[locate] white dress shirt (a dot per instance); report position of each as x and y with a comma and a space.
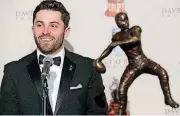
54, 77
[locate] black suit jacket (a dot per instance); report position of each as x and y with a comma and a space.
21, 88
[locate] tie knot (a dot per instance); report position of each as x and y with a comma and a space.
57, 60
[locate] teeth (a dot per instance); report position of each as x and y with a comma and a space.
46, 39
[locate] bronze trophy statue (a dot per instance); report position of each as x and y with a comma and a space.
129, 39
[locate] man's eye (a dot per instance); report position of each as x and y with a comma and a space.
54, 26
39, 25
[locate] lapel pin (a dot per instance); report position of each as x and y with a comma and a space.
70, 67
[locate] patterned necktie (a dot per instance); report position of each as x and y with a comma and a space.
57, 60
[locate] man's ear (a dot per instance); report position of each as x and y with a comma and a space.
66, 32
32, 29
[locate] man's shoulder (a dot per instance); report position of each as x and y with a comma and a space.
17, 63
83, 63
80, 58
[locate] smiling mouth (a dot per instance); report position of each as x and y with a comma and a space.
45, 39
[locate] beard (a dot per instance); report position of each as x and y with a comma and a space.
50, 47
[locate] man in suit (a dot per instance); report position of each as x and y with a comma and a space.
74, 86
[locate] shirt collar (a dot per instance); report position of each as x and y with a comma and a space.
60, 54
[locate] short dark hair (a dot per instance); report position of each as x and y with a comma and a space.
54, 6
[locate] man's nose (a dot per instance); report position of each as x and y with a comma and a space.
46, 30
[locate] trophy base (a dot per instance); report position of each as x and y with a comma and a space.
114, 109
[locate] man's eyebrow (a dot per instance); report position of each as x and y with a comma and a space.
38, 22
50, 22
55, 22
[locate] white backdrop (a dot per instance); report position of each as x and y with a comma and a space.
91, 32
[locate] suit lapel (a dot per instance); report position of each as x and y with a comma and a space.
35, 74
66, 77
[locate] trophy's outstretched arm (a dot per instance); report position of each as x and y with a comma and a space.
98, 64
127, 42
107, 51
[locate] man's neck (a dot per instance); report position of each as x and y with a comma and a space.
56, 52
60, 52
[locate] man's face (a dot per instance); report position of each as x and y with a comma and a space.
49, 31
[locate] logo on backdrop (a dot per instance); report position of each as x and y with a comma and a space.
171, 111
170, 12
114, 7
25, 14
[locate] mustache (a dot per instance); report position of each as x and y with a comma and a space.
45, 36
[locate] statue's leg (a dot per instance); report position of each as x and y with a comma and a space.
127, 79
162, 74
